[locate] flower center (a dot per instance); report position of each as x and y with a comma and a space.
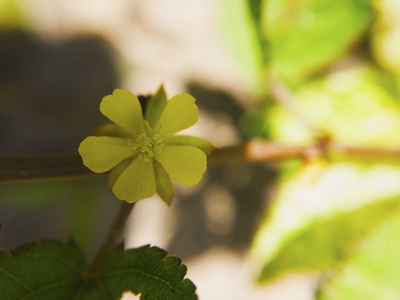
146, 142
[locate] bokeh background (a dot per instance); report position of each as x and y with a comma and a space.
293, 72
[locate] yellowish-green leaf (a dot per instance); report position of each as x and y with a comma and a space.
372, 271
356, 107
320, 212
241, 33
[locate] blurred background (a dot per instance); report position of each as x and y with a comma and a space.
296, 73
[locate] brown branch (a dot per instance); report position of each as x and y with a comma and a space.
13, 168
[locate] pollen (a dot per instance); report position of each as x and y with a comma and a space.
146, 142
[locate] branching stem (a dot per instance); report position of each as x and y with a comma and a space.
15, 168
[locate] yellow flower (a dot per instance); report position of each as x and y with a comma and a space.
142, 152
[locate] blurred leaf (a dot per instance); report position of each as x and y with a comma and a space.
357, 107
372, 272
12, 15
240, 32
304, 36
319, 213
386, 35
52, 270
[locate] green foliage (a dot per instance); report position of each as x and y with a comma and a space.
303, 36
373, 270
52, 270
332, 240
357, 107
12, 16
41, 271
320, 212
240, 32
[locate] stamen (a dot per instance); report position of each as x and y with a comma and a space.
145, 142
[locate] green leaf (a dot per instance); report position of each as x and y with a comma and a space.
304, 36
357, 107
372, 272
145, 270
41, 271
241, 33
320, 213
49, 270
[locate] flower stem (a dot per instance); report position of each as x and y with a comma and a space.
111, 239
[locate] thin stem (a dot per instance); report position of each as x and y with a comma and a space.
111, 239
14, 168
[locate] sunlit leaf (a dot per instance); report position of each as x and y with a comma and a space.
241, 33
320, 213
386, 35
357, 107
372, 272
304, 36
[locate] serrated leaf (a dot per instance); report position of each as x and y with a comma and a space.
304, 36
52, 270
319, 213
145, 270
41, 271
372, 272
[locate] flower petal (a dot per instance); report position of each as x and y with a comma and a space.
180, 113
164, 186
155, 106
123, 108
101, 153
136, 182
185, 164
188, 140
117, 171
